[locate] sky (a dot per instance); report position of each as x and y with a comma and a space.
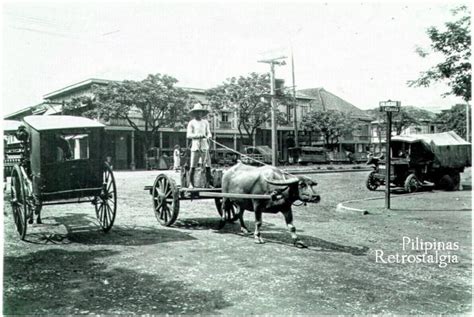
363, 52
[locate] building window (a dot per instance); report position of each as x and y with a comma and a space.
225, 117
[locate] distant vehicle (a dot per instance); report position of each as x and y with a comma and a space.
437, 158
307, 155
360, 157
223, 157
254, 154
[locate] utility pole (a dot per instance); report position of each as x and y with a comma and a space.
273, 62
295, 122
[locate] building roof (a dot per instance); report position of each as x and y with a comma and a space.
77, 86
10, 125
325, 100
41, 123
22, 112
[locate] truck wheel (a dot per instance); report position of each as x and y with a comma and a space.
411, 184
447, 183
371, 182
456, 177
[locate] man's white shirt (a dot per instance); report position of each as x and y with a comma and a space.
195, 128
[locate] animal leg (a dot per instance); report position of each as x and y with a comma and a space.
243, 228
224, 207
38, 218
258, 224
292, 229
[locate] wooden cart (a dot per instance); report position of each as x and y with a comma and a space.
167, 194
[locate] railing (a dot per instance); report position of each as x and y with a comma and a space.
359, 138
224, 125
268, 125
123, 122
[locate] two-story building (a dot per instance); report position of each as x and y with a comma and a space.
358, 140
125, 145
426, 124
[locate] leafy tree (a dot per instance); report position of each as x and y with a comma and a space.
331, 125
455, 44
407, 117
403, 120
247, 97
454, 119
145, 105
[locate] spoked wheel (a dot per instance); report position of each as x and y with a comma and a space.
20, 208
165, 195
372, 183
106, 202
231, 215
411, 184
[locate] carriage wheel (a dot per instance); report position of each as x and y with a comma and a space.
372, 183
106, 202
231, 215
20, 208
165, 197
411, 184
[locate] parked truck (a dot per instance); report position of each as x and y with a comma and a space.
423, 159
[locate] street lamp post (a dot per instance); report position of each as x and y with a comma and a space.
388, 107
274, 61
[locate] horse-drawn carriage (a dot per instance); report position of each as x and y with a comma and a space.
421, 159
62, 161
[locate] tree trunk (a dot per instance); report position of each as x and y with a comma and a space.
326, 139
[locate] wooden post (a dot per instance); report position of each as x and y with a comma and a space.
273, 114
387, 160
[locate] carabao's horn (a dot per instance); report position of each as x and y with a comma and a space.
282, 182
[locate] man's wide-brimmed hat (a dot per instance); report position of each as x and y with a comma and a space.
198, 107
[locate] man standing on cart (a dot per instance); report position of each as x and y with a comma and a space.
199, 132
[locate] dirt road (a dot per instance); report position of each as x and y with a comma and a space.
70, 267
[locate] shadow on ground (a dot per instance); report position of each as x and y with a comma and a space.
270, 233
61, 282
83, 229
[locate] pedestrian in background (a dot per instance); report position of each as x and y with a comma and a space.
177, 157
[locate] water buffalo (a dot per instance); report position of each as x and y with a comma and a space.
285, 190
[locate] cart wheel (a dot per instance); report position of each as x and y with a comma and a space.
106, 202
371, 182
20, 208
231, 215
165, 196
411, 184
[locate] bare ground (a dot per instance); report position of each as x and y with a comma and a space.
68, 266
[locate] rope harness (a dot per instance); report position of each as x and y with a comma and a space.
251, 158
276, 192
